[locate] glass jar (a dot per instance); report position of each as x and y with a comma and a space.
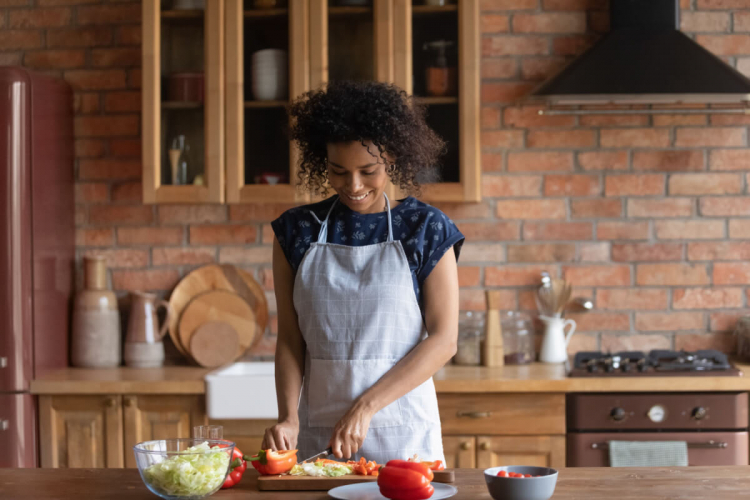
470, 331
518, 337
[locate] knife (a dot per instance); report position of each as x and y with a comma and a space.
323, 454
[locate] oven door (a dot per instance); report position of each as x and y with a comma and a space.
589, 449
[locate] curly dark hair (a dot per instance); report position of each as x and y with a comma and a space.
383, 113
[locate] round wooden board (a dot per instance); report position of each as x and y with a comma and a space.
214, 343
217, 277
221, 306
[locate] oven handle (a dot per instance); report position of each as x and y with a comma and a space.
709, 444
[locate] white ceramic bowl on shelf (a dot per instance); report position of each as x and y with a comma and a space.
269, 74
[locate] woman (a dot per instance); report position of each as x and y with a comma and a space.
358, 277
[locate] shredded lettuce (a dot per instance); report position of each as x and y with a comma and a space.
321, 469
198, 472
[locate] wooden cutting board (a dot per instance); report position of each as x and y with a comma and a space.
222, 306
309, 483
214, 344
217, 277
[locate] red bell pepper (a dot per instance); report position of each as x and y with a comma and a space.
270, 462
237, 468
403, 480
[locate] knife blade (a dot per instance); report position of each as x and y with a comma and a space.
323, 454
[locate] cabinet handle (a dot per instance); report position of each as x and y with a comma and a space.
485, 446
3, 362
4, 424
111, 402
465, 445
129, 402
474, 414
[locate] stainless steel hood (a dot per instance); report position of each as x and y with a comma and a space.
645, 59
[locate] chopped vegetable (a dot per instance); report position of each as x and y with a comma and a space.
436, 465
405, 480
195, 472
270, 462
364, 468
327, 468
503, 473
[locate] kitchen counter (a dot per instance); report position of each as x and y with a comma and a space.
537, 377
685, 483
122, 380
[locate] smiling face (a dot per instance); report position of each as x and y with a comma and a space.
357, 175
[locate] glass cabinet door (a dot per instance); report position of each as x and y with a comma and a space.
439, 64
267, 66
183, 101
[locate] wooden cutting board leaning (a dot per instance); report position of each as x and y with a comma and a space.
240, 302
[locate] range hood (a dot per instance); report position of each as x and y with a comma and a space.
646, 59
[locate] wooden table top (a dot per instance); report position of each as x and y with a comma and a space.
683, 483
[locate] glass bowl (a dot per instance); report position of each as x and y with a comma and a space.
174, 469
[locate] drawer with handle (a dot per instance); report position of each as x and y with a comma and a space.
502, 414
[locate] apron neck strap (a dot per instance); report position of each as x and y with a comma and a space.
323, 234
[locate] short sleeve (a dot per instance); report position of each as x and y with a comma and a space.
438, 235
293, 230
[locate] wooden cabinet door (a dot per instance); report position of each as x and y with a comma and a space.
80, 431
542, 451
460, 452
160, 417
182, 41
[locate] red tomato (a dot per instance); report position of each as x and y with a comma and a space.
502, 473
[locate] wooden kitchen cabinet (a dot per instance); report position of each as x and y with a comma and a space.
239, 143
258, 146
487, 430
100, 430
81, 431
541, 451
460, 452
159, 417
187, 42
453, 114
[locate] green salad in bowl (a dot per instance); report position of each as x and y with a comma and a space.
183, 468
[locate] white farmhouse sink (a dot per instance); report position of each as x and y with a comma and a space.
242, 390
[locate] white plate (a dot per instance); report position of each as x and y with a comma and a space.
370, 491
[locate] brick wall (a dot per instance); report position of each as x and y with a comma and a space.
647, 215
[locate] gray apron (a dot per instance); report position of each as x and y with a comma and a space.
359, 316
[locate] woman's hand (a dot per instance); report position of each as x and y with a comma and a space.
282, 436
350, 432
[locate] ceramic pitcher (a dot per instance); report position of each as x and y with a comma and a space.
555, 341
143, 345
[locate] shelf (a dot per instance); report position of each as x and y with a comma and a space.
181, 105
256, 13
433, 9
182, 14
348, 11
265, 104
436, 100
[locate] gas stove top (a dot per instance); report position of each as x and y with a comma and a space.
656, 362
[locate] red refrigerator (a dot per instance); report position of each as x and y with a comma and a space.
36, 248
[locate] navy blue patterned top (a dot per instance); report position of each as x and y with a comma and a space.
425, 232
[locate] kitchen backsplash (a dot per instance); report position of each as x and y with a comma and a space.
648, 215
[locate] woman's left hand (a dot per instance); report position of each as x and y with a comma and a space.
350, 432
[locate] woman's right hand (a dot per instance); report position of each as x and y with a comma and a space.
282, 436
